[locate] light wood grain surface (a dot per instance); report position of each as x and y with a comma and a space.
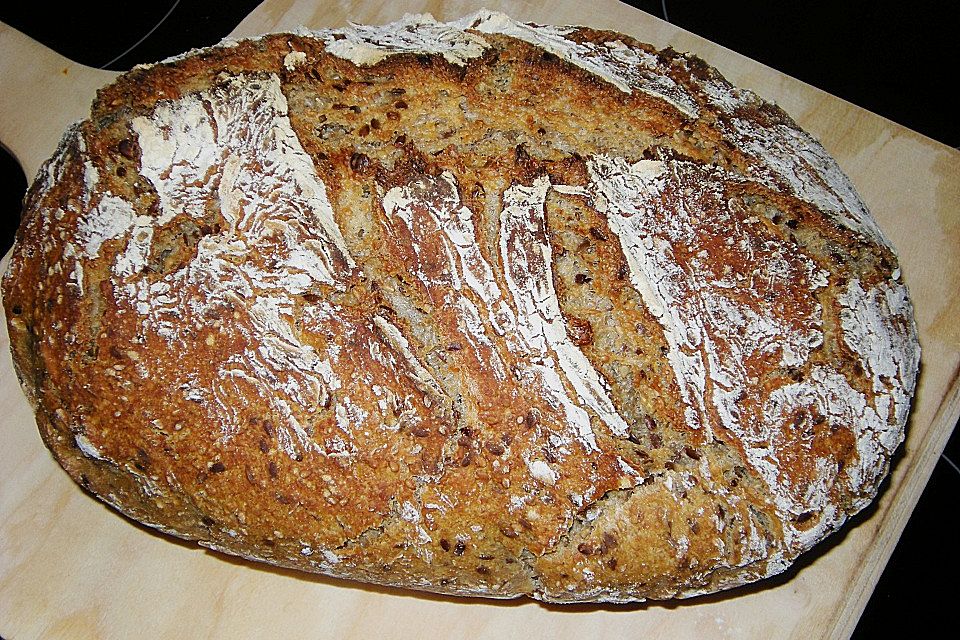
71, 568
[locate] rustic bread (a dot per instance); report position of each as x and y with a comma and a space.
480, 308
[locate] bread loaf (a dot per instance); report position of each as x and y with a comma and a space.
480, 308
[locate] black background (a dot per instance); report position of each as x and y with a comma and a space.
895, 59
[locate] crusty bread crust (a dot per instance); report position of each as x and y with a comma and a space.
479, 308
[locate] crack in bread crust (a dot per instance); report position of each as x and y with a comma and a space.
480, 308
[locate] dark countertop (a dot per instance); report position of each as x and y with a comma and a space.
885, 57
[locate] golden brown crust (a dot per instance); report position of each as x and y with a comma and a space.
493, 326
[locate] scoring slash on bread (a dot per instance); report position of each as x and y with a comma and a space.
481, 308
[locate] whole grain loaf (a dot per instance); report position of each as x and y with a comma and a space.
481, 308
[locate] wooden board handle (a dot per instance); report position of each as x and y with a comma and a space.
41, 94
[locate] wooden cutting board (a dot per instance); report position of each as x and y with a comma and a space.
71, 568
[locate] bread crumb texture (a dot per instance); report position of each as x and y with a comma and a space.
480, 308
